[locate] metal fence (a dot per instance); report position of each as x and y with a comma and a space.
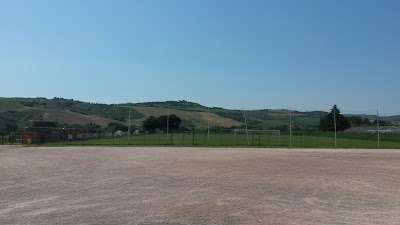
12, 138
254, 139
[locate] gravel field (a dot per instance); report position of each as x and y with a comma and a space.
169, 185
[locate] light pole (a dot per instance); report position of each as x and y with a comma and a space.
129, 124
290, 127
334, 121
208, 127
168, 138
377, 126
245, 121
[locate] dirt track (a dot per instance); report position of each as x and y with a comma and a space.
99, 185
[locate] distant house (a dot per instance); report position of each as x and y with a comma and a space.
45, 132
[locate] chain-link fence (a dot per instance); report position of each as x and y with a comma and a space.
11, 138
228, 138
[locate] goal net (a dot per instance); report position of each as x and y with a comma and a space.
257, 137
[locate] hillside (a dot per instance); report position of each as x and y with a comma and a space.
21, 111
69, 112
197, 119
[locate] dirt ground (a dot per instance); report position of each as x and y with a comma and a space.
155, 185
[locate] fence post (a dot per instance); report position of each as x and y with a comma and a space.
193, 138
350, 142
129, 137
301, 143
220, 137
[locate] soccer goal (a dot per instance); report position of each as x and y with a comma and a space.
257, 137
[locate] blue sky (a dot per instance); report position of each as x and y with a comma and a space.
307, 55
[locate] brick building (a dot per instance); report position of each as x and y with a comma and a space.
47, 132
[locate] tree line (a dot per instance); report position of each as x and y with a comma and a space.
327, 123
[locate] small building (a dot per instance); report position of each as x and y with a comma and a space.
47, 132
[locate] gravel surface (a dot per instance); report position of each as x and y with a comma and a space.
155, 185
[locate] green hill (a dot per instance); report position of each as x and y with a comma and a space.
69, 112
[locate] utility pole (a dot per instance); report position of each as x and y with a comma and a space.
129, 125
208, 127
334, 120
377, 127
290, 127
245, 121
168, 121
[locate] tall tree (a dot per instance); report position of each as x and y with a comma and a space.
160, 122
11, 127
151, 123
174, 122
327, 123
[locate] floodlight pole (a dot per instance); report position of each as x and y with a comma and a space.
129, 124
208, 127
290, 127
234, 136
334, 121
168, 121
245, 122
377, 127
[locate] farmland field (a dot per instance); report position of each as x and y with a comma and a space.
181, 185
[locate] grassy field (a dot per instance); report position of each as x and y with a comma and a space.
304, 140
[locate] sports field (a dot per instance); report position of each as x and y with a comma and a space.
298, 140
172, 185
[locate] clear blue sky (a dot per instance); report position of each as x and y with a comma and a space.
254, 54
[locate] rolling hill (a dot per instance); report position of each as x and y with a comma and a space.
69, 112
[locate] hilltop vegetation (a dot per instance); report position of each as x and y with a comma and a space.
181, 105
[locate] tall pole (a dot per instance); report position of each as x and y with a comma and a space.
129, 124
377, 126
290, 127
208, 127
334, 121
245, 122
168, 120
89, 125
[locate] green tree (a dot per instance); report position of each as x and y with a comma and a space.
152, 123
327, 123
174, 122
355, 120
366, 121
11, 127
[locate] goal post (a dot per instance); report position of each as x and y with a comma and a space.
256, 135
